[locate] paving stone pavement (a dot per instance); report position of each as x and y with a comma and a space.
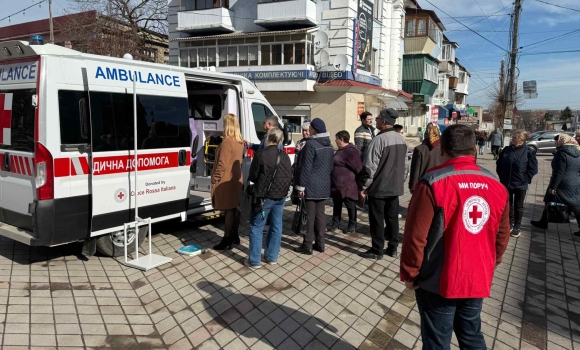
49, 298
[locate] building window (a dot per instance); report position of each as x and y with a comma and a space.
192, 5
377, 10
431, 73
440, 93
272, 50
421, 27
462, 78
411, 27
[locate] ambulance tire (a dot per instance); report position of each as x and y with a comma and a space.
107, 247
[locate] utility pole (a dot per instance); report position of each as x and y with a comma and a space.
510, 101
502, 82
50, 21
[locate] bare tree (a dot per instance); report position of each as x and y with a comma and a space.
117, 27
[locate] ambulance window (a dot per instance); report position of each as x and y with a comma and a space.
260, 113
206, 107
74, 117
162, 122
22, 119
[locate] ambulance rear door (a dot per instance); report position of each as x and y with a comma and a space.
163, 141
18, 110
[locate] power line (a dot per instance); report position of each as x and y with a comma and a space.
555, 38
488, 21
547, 52
493, 14
23, 10
562, 7
481, 36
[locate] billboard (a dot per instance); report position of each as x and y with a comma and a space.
364, 34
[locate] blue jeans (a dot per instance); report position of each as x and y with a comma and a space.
441, 316
273, 208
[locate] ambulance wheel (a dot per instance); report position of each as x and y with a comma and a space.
112, 244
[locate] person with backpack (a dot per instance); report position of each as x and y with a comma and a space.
516, 166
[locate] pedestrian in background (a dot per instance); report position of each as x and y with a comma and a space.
487, 141
271, 173
426, 155
365, 133
226, 180
344, 190
496, 139
305, 135
382, 180
481, 142
312, 181
455, 236
516, 167
564, 184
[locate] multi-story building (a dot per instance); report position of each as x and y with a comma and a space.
423, 47
326, 59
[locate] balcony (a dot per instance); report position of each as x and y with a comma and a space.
215, 20
421, 45
462, 89
286, 14
453, 82
445, 67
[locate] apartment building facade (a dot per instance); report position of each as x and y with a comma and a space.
327, 59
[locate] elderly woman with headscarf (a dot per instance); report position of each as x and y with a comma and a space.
565, 183
426, 155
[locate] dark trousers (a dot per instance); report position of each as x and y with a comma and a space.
337, 211
440, 317
316, 222
495, 150
517, 198
384, 211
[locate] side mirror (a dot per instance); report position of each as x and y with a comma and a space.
287, 135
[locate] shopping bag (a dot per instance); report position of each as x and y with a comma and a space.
299, 222
558, 213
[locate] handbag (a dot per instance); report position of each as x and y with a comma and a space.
299, 222
558, 212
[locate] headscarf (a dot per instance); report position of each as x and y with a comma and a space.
432, 135
566, 140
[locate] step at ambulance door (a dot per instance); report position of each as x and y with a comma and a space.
18, 91
163, 141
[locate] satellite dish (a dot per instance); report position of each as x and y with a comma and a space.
340, 62
320, 40
322, 58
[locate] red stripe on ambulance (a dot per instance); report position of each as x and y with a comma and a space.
19, 165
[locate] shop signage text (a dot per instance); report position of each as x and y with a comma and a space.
278, 74
418, 98
338, 75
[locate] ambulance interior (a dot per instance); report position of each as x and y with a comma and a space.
208, 103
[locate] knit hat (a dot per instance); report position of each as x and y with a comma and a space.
318, 125
389, 116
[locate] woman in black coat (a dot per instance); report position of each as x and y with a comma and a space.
516, 166
426, 155
347, 165
565, 183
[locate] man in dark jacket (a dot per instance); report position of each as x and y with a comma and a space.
365, 133
516, 166
312, 181
382, 180
496, 139
269, 123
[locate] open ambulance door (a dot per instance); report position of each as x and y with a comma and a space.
161, 139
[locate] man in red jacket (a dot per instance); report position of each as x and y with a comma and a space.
456, 232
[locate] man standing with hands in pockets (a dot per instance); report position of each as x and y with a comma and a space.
456, 232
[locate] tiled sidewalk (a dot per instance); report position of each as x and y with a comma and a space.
49, 298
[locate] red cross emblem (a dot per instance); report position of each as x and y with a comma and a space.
121, 195
475, 215
5, 118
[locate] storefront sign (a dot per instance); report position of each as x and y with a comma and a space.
337, 75
434, 114
278, 75
355, 30
364, 37
418, 98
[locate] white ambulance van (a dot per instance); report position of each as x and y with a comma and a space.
67, 142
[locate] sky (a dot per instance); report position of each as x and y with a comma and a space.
557, 74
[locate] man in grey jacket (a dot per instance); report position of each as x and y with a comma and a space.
496, 139
382, 180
